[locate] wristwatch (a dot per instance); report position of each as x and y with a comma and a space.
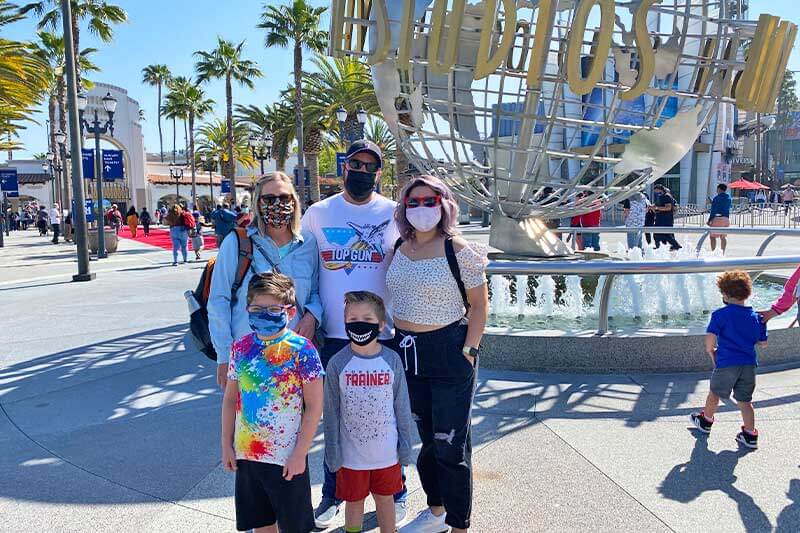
470, 351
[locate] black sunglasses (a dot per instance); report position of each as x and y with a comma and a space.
270, 198
357, 164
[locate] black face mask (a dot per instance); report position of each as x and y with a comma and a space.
359, 184
362, 333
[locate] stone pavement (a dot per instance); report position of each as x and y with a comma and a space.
110, 422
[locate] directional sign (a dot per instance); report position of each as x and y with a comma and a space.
88, 163
226, 185
8, 182
112, 165
340, 157
297, 181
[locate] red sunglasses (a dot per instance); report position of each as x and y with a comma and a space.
424, 201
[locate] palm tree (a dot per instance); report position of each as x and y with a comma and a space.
171, 110
278, 119
212, 139
226, 62
24, 78
297, 26
101, 17
157, 75
192, 103
50, 49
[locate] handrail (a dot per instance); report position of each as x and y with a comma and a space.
611, 269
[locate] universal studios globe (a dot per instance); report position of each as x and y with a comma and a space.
539, 110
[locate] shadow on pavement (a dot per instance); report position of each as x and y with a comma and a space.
35, 285
790, 516
707, 471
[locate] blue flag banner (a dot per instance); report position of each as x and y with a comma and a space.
8, 182
87, 156
112, 165
340, 156
226, 185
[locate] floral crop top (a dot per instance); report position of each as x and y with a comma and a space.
425, 292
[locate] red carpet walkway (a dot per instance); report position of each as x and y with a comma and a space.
160, 237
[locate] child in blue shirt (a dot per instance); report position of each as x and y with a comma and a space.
731, 337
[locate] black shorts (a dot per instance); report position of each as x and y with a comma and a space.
264, 497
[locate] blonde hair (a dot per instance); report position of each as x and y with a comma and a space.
366, 297
258, 222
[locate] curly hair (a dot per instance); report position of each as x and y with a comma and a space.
735, 284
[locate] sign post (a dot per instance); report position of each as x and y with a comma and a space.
10, 188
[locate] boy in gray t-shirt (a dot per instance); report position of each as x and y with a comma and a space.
368, 424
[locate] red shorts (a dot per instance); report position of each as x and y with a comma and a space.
355, 485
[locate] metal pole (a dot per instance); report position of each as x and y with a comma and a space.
3, 222
261, 160
211, 187
79, 216
98, 175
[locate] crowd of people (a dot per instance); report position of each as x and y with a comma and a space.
333, 316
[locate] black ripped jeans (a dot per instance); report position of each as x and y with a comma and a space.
441, 386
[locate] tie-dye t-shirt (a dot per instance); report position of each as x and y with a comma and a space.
270, 375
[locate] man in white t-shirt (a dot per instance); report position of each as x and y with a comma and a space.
356, 232
55, 222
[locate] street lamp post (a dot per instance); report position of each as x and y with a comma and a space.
53, 176
261, 147
176, 173
361, 115
96, 128
341, 117
210, 165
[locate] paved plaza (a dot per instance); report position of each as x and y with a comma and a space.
110, 422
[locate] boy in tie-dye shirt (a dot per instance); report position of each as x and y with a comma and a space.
270, 413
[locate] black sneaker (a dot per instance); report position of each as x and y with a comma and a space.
748, 439
701, 422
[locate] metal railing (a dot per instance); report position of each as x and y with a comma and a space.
611, 269
743, 214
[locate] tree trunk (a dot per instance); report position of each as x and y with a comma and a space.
229, 137
174, 137
76, 41
312, 161
401, 175
185, 140
53, 148
160, 137
191, 159
62, 125
298, 118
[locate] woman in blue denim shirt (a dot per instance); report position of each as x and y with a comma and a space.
277, 241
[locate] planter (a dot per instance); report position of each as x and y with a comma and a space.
111, 240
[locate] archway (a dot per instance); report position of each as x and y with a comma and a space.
168, 200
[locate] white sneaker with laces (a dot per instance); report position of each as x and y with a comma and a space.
426, 522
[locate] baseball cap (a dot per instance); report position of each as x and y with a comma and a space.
365, 146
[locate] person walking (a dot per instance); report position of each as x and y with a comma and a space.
55, 222
591, 220
115, 218
788, 199
197, 240
179, 222
146, 220
132, 220
635, 211
355, 230
162, 215
224, 221
439, 344
42, 220
279, 245
664, 209
719, 216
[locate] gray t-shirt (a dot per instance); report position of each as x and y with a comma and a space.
368, 424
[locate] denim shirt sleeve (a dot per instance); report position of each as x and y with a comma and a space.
220, 315
314, 303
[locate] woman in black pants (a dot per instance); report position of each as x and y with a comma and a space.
437, 285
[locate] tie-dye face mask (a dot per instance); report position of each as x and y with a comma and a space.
277, 211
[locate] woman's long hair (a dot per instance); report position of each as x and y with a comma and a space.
258, 222
447, 225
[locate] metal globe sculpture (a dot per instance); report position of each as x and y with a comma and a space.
545, 109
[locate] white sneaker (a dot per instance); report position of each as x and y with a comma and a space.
426, 522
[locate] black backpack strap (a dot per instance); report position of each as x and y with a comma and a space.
452, 262
244, 261
397, 244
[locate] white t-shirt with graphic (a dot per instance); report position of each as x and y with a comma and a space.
355, 246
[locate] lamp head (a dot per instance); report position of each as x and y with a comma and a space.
60, 137
50, 156
109, 103
253, 140
341, 114
361, 114
83, 101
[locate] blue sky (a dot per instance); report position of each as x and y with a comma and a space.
169, 31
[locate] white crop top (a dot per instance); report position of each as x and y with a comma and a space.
425, 291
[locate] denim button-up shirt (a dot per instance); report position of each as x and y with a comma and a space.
721, 205
227, 323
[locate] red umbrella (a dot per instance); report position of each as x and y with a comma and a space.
747, 185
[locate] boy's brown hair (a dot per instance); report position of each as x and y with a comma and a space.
735, 284
273, 284
355, 297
